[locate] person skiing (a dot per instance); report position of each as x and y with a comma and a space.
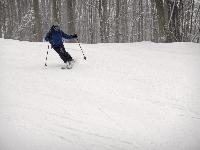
55, 37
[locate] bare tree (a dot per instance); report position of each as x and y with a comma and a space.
161, 19
103, 20
140, 21
37, 23
56, 11
70, 16
117, 21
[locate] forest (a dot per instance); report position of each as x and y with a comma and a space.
103, 21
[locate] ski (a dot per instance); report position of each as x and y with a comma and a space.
69, 65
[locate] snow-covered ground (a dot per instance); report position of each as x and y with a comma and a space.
138, 96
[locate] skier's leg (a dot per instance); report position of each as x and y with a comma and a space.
63, 54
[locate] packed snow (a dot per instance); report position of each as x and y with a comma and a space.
128, 96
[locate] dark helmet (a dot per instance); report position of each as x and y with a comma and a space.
55, 28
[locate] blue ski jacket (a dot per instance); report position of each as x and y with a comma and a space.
55, 36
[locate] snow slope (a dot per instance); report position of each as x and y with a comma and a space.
138, 96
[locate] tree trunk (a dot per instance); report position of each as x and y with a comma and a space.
124, 20
117, 17
103, 20
70, 17
56, 11
161, 19
140, 22
191, 20
37, 22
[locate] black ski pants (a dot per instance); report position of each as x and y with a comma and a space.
65, 56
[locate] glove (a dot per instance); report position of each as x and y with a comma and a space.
75, 36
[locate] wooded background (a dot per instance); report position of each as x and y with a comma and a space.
103, 20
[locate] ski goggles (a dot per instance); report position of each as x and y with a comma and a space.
56, 28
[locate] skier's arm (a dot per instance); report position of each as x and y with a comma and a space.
66, 36
47, 37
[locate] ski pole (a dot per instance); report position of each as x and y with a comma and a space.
81, 49
46, 57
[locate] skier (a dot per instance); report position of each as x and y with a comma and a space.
54, 36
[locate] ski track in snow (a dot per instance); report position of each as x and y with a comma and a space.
130, 96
